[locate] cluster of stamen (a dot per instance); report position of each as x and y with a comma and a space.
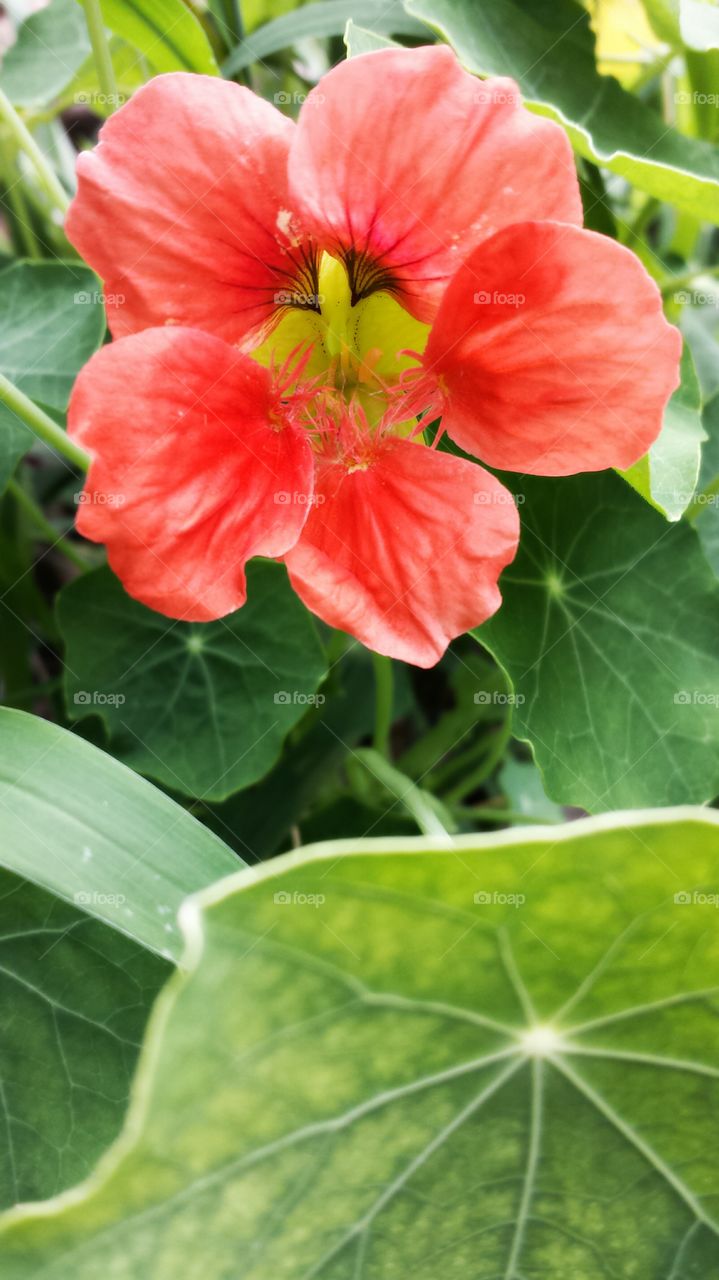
333, 384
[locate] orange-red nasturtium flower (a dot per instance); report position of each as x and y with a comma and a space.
288, 299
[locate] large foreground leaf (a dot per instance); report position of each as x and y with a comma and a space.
608, 633
202, 707
74, 998
51, 321
548, 49
499, 1064
79, 824
93, 854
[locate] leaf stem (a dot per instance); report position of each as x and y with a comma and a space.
40, 423
471, 781
233, 20
384, 698
101, 52
39, 519
415, 801
12, 198
24, 139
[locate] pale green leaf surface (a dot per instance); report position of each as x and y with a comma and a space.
166, 32
521, 782
503, 1063
667, 475
608, 632
705, 509
358, 40
202, 707
548, 50
700, 326
79, 824
699, 24
51, 46
51, 321
664, 18
329, 18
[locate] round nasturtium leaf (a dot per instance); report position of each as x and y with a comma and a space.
202, 707
383, 1059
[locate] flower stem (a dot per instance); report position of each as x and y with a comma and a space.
101, 51
24, 139
39, 519
384, 697
40, 423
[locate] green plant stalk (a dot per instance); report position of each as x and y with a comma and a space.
442, 777
233, 20
384, 698
41, 522
17, 211
101, 51
40, 423
634, 232
24, 139
404, 790
474, 779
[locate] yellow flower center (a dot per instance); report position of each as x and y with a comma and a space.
356, 351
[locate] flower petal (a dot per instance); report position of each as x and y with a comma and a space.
553, 352
190, 476
411, 191
406, 554
183, 210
